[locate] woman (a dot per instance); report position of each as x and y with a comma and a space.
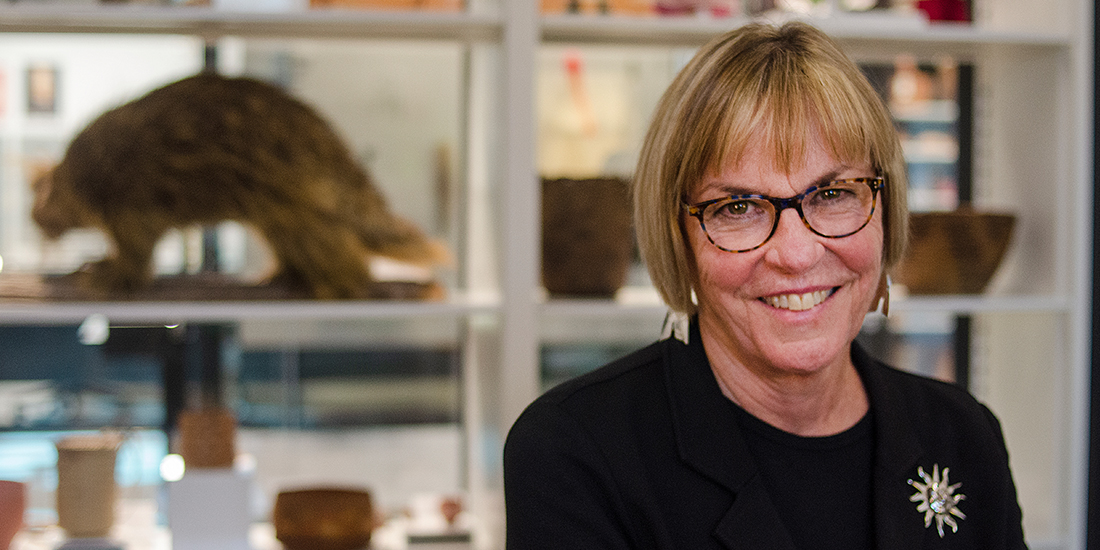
769, 205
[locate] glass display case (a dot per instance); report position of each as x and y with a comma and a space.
458, 114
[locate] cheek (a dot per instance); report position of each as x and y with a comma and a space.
863, 252
711, 267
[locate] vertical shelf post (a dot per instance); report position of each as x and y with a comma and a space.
520, 214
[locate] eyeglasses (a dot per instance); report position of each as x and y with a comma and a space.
741, 223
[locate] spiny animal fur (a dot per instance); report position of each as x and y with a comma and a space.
210, 148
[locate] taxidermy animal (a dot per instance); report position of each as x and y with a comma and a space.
210, 148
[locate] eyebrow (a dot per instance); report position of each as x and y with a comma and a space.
731, 190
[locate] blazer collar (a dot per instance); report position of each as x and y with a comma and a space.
709, 441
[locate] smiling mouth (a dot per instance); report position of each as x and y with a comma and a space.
798, 302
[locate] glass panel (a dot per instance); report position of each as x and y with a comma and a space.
398, 106
373, 403
594, 104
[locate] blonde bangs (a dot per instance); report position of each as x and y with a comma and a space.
794, 104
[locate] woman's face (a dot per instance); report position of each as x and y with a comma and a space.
735, 291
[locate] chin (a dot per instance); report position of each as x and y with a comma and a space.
808, 356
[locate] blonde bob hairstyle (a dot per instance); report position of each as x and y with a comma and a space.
783, 85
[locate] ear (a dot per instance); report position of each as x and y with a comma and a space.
882, 295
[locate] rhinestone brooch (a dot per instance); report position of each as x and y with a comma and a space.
936, 497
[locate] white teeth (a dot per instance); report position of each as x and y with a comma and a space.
798, 302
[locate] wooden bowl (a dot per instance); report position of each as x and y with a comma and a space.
954, 252
324, 518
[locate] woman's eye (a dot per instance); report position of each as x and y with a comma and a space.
834, 194
734, 208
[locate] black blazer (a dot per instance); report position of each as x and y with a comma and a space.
646, 453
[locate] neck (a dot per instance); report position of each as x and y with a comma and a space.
820, 403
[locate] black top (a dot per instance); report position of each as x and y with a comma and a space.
647, 453
821, 486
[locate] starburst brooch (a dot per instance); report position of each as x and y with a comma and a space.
937, 499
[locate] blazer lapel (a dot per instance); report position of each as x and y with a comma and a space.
898, 524
752, 523
709, 441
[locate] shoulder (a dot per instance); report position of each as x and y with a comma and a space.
605, 393
934, 408
622, 405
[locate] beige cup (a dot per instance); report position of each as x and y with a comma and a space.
86, 484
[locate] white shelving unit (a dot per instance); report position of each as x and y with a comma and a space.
1033, 88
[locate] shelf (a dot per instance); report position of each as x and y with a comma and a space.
632, 318
643, 302
976, 304
853, 30
210, 23
12, 313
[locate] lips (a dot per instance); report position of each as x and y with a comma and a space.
798, 302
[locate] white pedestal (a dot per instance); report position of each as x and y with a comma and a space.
209, 510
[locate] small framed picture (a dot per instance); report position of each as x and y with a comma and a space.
42, 88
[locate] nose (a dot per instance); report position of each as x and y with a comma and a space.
793, 247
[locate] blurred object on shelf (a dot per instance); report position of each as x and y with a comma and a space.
574, 70
716, 8
450, 507
324, 518
411, 5
945, 10
814, 8
954, 252
827, 8
863, 5
211, 508
258, 6
910, 86
42, 88
207, 437
13, 504
582, 134
586, 236
246, 151
597, 7
437, 522
947, 78
159, 2
86, 489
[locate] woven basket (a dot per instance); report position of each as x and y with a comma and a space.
954, 252
207, 437
586, 236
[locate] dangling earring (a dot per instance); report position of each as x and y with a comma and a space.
882, 295
676, 325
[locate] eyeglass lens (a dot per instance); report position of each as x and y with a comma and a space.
745, 222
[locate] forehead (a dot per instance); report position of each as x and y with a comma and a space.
757, 168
